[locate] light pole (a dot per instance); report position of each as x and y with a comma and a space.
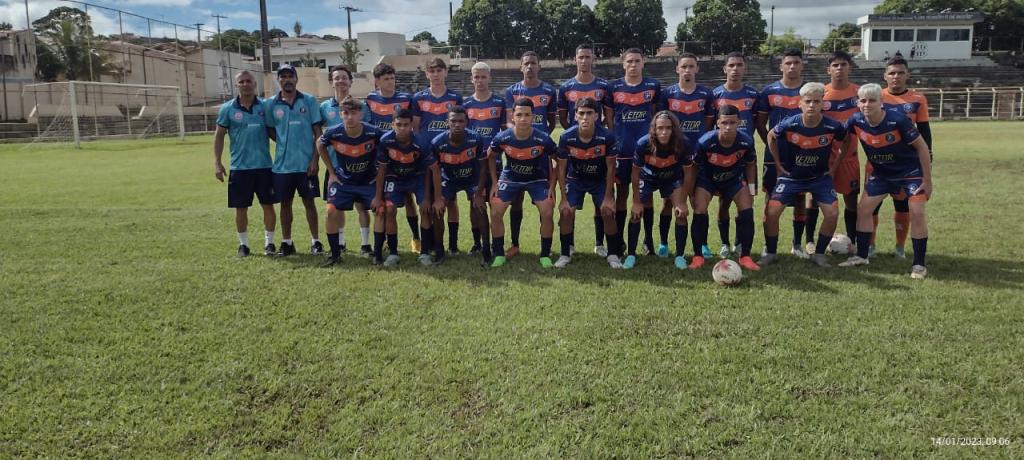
771, 33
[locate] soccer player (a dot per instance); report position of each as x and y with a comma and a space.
840, 103
528, 153
801, 147
662, 162
896, 96
724, 157
745, 98
463, 162
351, 173
584, 84
486, 112
779, 101
545, 106
295, 119
586, 165
693, 105
243, 121
405, 168
632, 100
901, 167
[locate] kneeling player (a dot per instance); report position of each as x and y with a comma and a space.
586, 165
801, 146
404, 169
528, 152
658, 165
901, 167
724, 156
463, 169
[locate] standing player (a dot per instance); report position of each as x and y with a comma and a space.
528, 154
693, 105
243, 121
801, 147
584, 84
586, 165
840, 103
631, 100
723, 158
545, 105
295, 119
901, 167
486, 112
353, 144
463, 162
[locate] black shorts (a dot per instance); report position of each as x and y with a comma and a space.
243, 183
287, 184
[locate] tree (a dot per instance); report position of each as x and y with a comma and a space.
728, 25
67, 47
236, 38
562, 26
780, 43
331, 37
277, 33
6, 26
631, 23
501, 28
682, 36
840, 38
297, 28
350, 54
425, 36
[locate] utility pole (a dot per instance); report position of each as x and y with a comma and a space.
264, 36
771, 34
28, 22
348, 14
225, 88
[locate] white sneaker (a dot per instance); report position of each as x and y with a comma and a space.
392, 260
601, 251
799, 253
562, 261
724, 252
810, 247
572, 250
426, 260
854, 261
918, 272
614, 262
899, 252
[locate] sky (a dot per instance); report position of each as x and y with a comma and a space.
808, 18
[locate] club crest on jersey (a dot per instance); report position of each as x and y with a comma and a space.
534, 152
279, 113
238, 116
700, 105
494, 111
368, 146
747, 104
543, 100
908, 107
822, 140
777, 100
674, 105
889, 137
620, 97
302, 110
260, 113
397, 107
597, 151
648, 95
827, 105
448, 105
332, 113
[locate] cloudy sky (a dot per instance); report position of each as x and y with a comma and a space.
409, 17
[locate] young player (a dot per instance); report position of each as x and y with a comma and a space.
901, 167
351, 172
486, 112
545, 106
801, 147
584, 84
463, 163
693, 105
405, 168
586, 165
295, 119
528, 154
840, 103
631, 102
724, 157
242, 119
662, 163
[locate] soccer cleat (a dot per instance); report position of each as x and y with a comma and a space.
614, 262
512, 252
899, 252
439, 258
681, 262
724, 252
630, 262
475, 249
331, 261
454, 252
696, 263
498, 261
918, 272
749, 264
662, 250
649, 249
572, 250
341, 248
854, 261
601, 251
810, 247
768, 259
426, 260
820, 260
562, 261
871, 251
545, 262
737, 249
316, 248
414, 246
706, 252
365, 251
269, 250
392, 260
243, 251
799, 252
287, 249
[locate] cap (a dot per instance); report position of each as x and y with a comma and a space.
285, 68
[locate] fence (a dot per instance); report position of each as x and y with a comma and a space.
975, 103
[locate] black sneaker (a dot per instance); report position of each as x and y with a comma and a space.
270, 250
243, 251
475, 249
317, 249
454, 251
331, 261
438, 257
287, 249
366, 251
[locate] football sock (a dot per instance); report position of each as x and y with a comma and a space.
364, 235
545, 247
745, 230
392, 243
902, 222
341, 236
620, 222
615, 244
822, 244
476, 237
850, 219
598, 230
648, 220
426, 240
699, 232
723, 230
811, 223
332, 242
498, 245
771, 244
798, 229
378, 245
453, 235
288, 241
863, 241
664, 222
268, 237
565, 241
634, 236
680, 238
243, 238
515, 223
414, 226
920, 249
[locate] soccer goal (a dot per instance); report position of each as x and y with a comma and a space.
76, 111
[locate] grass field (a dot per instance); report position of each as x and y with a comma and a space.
130, 330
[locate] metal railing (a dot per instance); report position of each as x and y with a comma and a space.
995, 103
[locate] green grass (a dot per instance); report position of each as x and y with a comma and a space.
130, 330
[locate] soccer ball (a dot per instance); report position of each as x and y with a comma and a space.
727, 273
840, 244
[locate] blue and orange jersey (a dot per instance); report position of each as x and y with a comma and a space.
459, 162
354, 157
805, 151
544, 97
586, 160
659, 164
433, 112
691, 109
634, 107
779, 102
404, 161
887, 145
572, 90
744, 99
911, 103
486, 118
379, 110
720, 163
527, 160
840, 105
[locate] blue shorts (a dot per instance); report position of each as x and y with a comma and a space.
343, 196
395, 190
287, 184
576, 191
243, 183
822, 190
726, 189
666, 187
768, 177
450, 189
901, 188
623, 171
508, 190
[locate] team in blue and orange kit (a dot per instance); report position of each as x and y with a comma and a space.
486, 113
462, 157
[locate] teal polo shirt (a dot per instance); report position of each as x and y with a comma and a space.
330, 112
248, 142
294, 125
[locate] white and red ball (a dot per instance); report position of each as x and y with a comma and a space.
727, 273
840, 244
